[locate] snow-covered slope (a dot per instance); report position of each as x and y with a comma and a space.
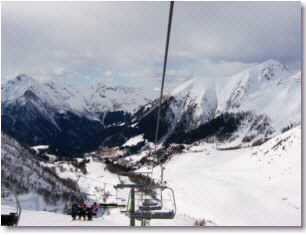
269, 88
197, 98
38, 186
114, 218
259, 186
99, 184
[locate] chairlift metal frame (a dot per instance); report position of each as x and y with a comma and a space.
147, 215
11, 219
150, 204
111, 205
122, 184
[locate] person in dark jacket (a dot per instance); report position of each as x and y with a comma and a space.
83, 210
74, 210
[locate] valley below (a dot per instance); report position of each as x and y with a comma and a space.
257, 186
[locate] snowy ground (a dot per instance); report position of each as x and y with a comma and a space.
95, 181
115, 218
259, 186
246, 187
134, 141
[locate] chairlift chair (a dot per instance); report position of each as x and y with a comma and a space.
149, 204
84, 197
11, 218
154, 214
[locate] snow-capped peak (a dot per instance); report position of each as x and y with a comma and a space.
20, 80
267, 70
85, 99
269, 88
23, 77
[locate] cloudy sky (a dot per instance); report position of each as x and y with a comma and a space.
123, 42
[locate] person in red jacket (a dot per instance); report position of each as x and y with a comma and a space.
95, 208
93, 211
83, 209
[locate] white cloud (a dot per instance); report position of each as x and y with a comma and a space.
223, 68
145, 73
58, 71
72, 74
109, 73
151, 78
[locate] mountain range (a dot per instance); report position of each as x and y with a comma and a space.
246, 108
63, 114
253, 105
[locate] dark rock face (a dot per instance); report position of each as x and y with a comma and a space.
66, 132
115, 117
147, 123
222, 128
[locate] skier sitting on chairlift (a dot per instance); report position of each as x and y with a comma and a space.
94, 208
74, 210
93, 211
82, 212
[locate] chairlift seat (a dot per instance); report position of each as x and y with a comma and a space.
148, 202
151, 215
115, 205
9, 220
150, 208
